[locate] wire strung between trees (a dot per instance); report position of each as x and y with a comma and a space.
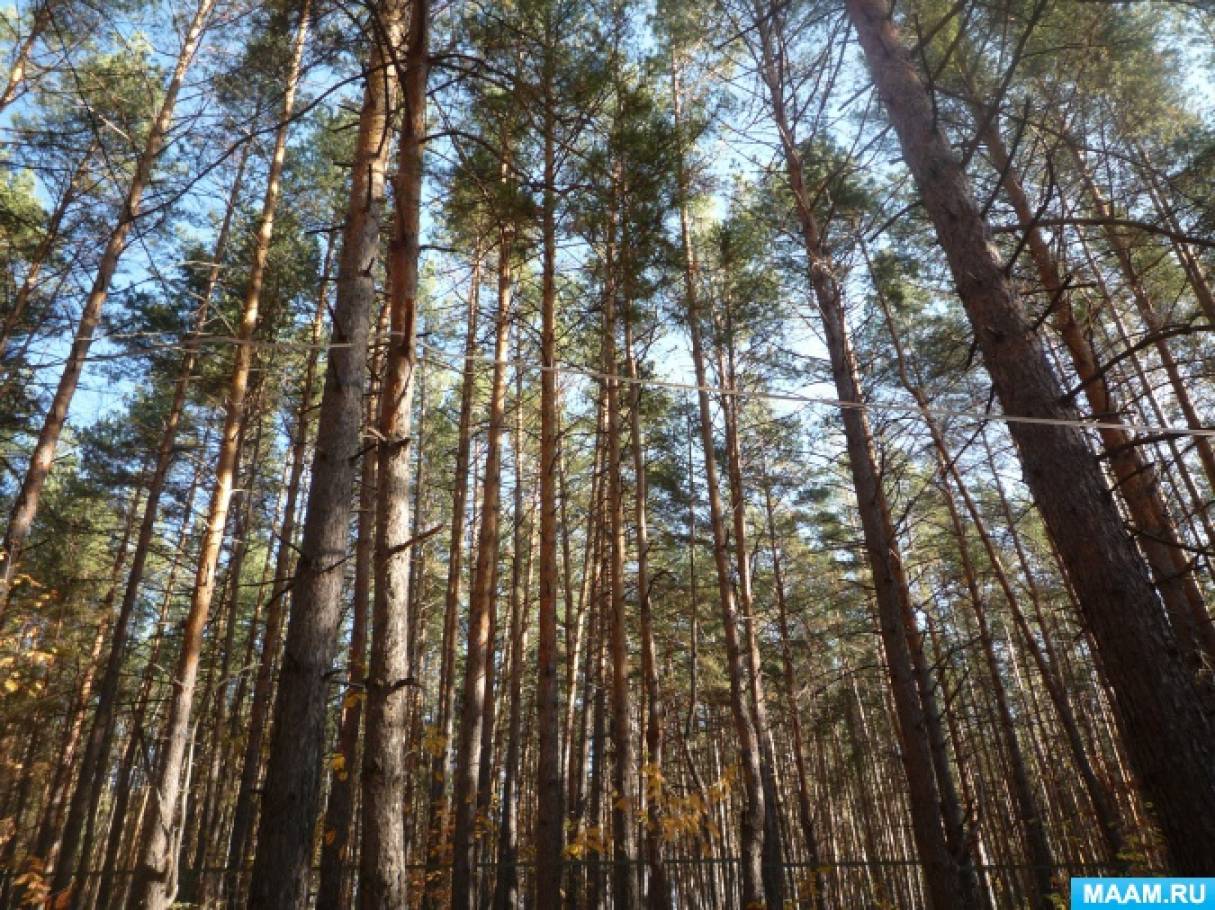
879, 407
434, 356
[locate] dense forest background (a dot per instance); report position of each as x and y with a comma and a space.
572, 453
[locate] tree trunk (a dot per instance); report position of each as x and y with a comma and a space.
245, 808
624, 789
1138, 484
436, 827
506, 886
17, 75
550, 816
1169, 736
1151, 318
382, 873
805, 809
479, 651
658, 895
25, 505
42, 253
297, 743
154, 880
774, 861
336, 839
752, 812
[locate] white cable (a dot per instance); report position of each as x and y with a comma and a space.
794, 397
788, 397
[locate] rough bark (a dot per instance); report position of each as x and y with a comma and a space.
297, 743
344, 778
383, 876
1169, 738
245, 809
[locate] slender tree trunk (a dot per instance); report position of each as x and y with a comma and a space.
624, 788
42, 253
774, 861
154, 884
506, 886
1103, 807
1190, 263
17, 75
479, 651
49, 837
1151, 318
122, 783
658, 896
436, 828
85, 800
549, 813
935, 818
200, 820
753, 809
382, 874
752, 812
1169, 735
805, 808
297, 743
25, 505
1138, 484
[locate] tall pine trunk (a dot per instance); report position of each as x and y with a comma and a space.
550, 817
382, 873
263, 684
297, 743
1169, 738
479, 651
96, 756
25, 505
155, 885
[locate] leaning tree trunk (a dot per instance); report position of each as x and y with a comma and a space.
83, 808
1169, 737
155, 879
42, 253
25, 506
17, 74
752, 811
293, 772
1138, 484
